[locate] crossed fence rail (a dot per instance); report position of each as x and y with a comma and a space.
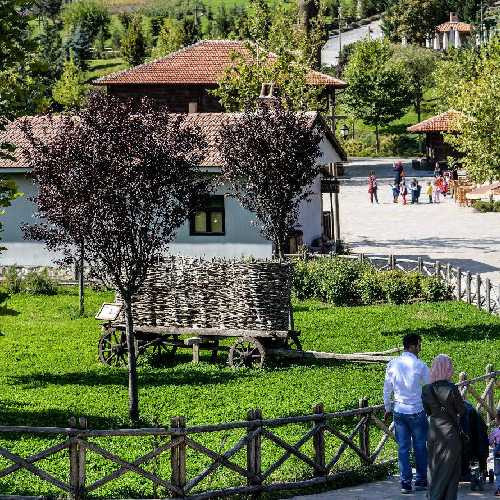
468, 287
325, 438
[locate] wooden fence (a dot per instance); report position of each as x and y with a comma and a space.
325, 438
471, 288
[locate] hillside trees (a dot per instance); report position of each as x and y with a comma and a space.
133, 43
69, 90
117, 182
378, 89
170, 38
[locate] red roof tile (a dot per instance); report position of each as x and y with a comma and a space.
210, 125
455, 25
202, 63
439, 123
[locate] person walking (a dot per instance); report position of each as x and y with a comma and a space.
398, 171
414, 191
403, 190
395, 192
436, 191
444, 405
428, 191
372, 186
494, 439
404, 378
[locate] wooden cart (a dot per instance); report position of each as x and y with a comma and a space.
249, 348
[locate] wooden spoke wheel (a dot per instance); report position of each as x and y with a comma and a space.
247, 352
163, 348
113, 348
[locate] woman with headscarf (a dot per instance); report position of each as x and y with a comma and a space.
444, 405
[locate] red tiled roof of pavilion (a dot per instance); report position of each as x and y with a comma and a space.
439, 123
202, 63
455, 25
210, 125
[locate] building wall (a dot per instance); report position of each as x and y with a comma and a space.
177, 98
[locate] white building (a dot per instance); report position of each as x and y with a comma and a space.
224, 228
452, 33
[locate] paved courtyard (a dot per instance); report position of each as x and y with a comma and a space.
443, 231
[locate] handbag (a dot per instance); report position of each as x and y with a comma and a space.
464, 437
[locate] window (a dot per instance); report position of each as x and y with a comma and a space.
210, 220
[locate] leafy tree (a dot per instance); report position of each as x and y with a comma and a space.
170, 38
378, 92
414, 19
89, 16
478, 137
269, 152
120, 179
50, 50
8, 193
418, 65
133, 43
69, 90
47, 9
239, 87
259, 20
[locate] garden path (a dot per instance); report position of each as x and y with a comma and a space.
444, 231
389, 490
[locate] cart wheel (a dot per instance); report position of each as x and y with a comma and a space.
113, 349
163, 348
247, 352
293, 342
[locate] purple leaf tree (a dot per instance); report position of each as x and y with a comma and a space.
117, 179
269, 158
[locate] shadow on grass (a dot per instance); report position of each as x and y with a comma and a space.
6, 311
458, 334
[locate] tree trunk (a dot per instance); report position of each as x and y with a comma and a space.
81, 283
377, 138
133, 396
418, 109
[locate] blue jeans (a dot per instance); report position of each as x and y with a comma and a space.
408, 429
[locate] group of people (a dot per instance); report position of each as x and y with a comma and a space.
434, 190
429, 415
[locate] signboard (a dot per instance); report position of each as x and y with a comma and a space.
109, 312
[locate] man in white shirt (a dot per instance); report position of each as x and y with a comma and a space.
404, 378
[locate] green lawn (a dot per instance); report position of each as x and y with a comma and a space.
49, 371
102, 67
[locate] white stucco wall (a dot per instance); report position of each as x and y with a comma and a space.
242, 238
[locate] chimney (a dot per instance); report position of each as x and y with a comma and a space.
268, 98
193, 107
453, 17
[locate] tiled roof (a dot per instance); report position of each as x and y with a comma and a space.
455, 25
210, 125
439, 123
202, 63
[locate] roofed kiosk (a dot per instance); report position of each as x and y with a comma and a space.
182, 79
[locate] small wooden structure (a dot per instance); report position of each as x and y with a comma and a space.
436, 149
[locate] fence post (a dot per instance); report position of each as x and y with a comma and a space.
468, 293
178, 453
459, 284
448, 273
73, 463
487, 284
490, 399
254, 449
478, 291
420, 264
437, 268
364, 432
391, 261
319, 439
362, 258
82, 422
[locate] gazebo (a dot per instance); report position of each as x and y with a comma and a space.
434, 128
452, 33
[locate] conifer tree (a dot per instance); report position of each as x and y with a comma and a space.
133, 43
69, 89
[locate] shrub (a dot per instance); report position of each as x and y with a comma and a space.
13, 280
414, 285
435, 289
370, 287
395, 287
304, 282
486, 206
39, 283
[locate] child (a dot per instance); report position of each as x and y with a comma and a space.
395, 192
403, 191
372, 186
428, 191
494, 439
414, 191
436, 190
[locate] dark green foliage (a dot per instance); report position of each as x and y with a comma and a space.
133, 43
50, 50
88, 15
39, 283
487, 206
345, 282
78, 46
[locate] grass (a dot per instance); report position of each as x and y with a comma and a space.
102, 67
49, 371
